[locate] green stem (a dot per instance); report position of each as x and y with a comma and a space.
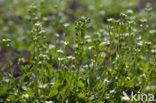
9, 65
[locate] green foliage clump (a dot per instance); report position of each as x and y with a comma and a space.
80, 51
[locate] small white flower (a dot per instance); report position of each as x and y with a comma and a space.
3, 40
43, 86
24, 88
152, 87
108, 42
131, 22
153, 51
137, 50
6, 40
60, 51
7, 80
123, 15
66, 24
85, 66
152, 31
110, 20
103, 43
87, 36
40, 62
21, 60
143, 76
67, 101
42, 32
44, 56
128, 78
126, 34
57, 35
52, 83
148, 43
48, 101
106, 81
71, 57
89, 40
112, 91
61, 59
65, 43
51, 46
117, 57
143, 20
129, 11
25, 96
140, 43
38, 25
103, 54
90, 48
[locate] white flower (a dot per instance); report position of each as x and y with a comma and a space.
123, 15
66, 24
24, 88
48, 101
126, 34
65, 43
21, 60
90, 48
143, 76
61, 59
148, 43
103, 43
43, 86
44, 56
140, 43
71, 57
106, 81
89, 40
112, 91
40, 62
153, 51
6, 40
38, 25
87, 37
110, 20
152, 87
137, 50
143, 20
42, 32
152, 31
129, 11
117, 57
25, 96
51, 46
85, 66
128, 78
60, 51
52, 83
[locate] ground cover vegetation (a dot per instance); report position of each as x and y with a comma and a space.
76, 51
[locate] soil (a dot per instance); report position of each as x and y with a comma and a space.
12, 56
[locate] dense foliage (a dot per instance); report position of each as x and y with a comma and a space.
76, 51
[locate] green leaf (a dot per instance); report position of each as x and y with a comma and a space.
81, 95
2, 69
53, 92
10, 63
81, 84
